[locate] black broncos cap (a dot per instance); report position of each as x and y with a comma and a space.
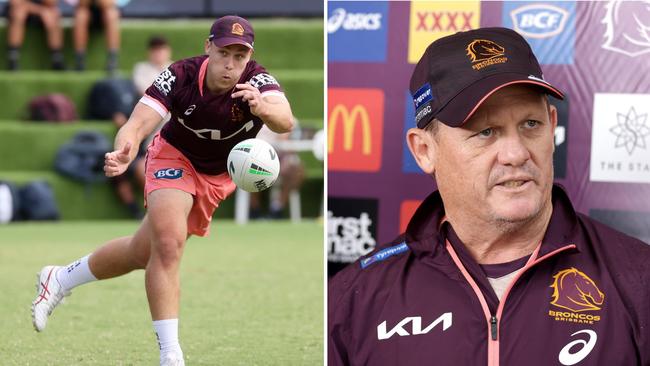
458, 72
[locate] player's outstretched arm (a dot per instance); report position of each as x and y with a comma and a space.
142, 122
273, 109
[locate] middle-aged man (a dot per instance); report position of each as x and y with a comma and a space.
495, 267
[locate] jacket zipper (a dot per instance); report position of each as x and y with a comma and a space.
493, 327
493, 321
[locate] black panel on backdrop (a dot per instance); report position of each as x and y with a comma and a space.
561, 135
636, 224
351, 230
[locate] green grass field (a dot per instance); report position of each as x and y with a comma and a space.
251, 295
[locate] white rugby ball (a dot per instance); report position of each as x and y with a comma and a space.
253, 165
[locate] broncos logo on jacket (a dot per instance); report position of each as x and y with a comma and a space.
575, 291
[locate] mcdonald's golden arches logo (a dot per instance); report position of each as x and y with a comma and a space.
355, 127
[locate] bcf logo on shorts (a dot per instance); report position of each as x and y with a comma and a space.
168, 173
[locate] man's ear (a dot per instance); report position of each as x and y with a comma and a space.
423, 148
207, 45
552, 113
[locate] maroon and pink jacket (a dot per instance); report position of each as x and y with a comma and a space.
582, 298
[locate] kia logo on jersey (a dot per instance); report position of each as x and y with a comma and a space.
416, 326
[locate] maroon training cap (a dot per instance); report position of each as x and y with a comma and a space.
232, 29
458, 72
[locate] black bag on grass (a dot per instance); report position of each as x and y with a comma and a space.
37, 202
82, 158
110, 96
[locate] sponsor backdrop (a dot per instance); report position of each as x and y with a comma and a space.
598, 53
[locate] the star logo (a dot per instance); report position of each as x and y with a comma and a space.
631, 130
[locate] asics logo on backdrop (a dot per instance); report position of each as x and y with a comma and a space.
416, 326
340, 18
570, 355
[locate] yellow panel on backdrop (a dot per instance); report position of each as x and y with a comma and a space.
431, 20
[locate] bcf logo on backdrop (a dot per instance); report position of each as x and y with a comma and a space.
357, 31
432, 20
355, 127
351, 228
620, 138
548, 27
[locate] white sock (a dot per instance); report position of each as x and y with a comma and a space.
167, 334
75, 274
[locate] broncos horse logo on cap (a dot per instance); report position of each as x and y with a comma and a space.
575, 291
237, 29
483, 49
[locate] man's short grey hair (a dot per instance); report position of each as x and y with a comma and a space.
433, 127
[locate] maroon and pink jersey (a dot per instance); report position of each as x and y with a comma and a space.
205, 126
582, 298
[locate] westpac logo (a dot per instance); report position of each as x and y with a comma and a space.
620, 150
431, 20
355, 128
445, 320
351, 24
627, 27
168, 173
539, 20
549, 28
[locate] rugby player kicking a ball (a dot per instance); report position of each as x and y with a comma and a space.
215, 100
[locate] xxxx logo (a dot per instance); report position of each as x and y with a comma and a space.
431, 21
578, 293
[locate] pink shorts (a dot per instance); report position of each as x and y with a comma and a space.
166, 167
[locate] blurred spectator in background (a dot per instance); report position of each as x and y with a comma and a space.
87, 10
48, 12
159, 55
292, 175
